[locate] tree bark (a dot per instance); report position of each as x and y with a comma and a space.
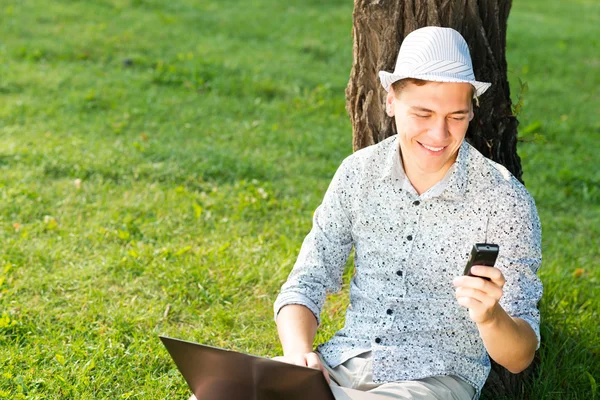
378, 30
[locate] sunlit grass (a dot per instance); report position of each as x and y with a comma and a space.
160, 163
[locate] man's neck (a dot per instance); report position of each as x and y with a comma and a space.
423, 181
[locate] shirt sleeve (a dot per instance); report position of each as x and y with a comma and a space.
320, 264
519, 234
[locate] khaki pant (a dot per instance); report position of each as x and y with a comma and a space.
357, 373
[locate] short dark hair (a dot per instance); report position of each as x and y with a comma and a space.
402, 83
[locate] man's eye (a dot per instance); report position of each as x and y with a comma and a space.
422, 116
458, 118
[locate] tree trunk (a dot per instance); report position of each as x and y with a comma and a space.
379, 28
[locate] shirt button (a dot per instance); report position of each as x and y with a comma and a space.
377, 340
409, 237
389, 311
399, 273
416, 203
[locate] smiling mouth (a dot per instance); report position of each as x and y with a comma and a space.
432, 148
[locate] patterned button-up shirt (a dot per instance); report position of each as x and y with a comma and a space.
408, 248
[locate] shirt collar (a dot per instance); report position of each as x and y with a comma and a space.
452, 185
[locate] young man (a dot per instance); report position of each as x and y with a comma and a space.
412, 206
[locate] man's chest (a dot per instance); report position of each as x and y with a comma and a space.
414, 246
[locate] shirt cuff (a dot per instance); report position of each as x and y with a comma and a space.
287, 298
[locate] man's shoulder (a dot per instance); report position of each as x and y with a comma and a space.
488, 176
378, 155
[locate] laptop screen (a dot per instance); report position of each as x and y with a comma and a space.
218, 374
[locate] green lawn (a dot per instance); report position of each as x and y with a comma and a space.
160, 162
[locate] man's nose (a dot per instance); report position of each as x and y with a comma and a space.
439, 129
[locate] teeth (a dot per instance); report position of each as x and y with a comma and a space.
432, 148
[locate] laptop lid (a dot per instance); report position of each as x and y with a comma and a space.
218, 374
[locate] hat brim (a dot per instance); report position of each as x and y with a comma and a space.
387, 78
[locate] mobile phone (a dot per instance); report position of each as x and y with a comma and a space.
482, 254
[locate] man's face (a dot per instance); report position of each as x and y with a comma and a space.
431, 121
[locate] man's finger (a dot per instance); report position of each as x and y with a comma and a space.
489, 272
310, 360
491, 295
490, 287
295, 360
326, 374
313, 361
300, 359
469, 302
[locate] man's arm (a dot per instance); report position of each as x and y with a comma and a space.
320, 264
511, 342
297, 328
317, 271
505, 308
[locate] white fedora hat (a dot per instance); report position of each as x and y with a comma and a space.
434, 54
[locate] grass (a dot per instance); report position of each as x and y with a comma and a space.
160, 162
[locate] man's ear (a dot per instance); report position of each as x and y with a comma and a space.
389, 102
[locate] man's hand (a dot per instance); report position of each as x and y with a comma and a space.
480, 296
310, 360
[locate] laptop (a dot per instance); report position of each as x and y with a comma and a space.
218, 374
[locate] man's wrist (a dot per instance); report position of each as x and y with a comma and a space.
297, 351
490, 324
493, 322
